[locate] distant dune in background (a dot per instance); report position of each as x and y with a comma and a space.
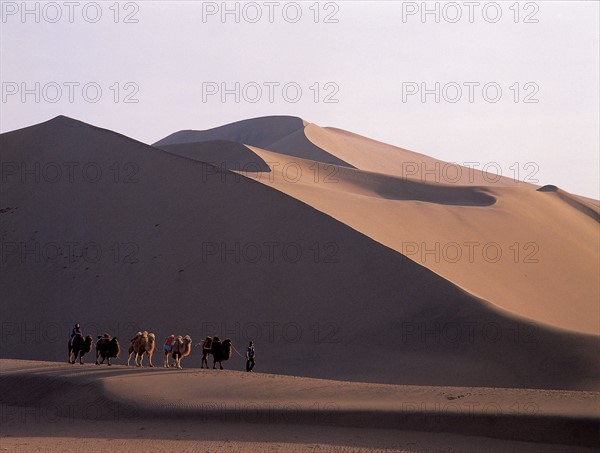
181, 225
284, 134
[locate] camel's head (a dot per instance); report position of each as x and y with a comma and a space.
151, 337
145, 334
187, 339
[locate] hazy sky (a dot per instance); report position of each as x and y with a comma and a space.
373, 58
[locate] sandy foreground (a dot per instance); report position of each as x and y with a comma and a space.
50, 406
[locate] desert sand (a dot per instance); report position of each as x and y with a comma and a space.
335, 253
129, 409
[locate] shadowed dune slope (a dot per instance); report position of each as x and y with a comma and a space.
284, 134
222, 154
297, 144
259, 132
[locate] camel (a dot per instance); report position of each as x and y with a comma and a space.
182, 347
81, 346
143, 342
107, 347
220, 350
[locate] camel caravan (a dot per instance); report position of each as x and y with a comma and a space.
144, 344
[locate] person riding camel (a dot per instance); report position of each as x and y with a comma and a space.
169, 343
76, 332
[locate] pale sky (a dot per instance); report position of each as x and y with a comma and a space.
369, 56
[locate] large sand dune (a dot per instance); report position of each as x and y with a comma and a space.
313, 274
526, 251
533, 253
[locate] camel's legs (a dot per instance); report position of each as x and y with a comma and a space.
141, 359
150, 359
129, 358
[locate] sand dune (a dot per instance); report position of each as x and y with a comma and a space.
514, 253
284, 134
258, 411
294, 170
170, 244
259, 132
222, 154
506, 245
586, 206
371, 155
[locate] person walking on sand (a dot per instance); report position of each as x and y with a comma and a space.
250, 357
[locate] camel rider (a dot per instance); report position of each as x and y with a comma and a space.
250, 357
169, 343
76, 332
